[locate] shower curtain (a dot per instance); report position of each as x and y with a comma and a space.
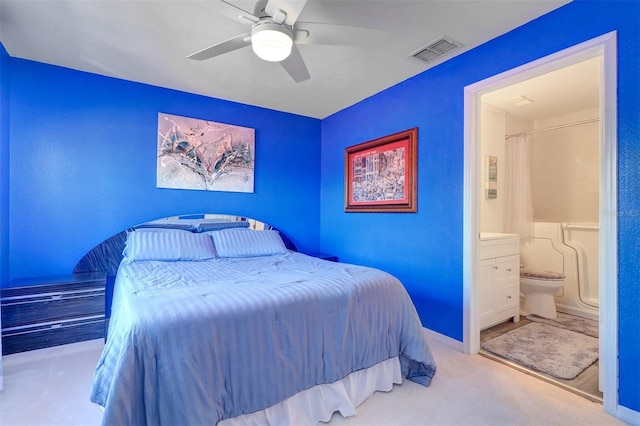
518, 201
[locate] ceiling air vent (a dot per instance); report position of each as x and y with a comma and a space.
435, 49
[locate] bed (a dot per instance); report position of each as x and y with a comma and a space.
218, 322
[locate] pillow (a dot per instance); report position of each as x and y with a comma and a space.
168, 246
247, 243
220, 224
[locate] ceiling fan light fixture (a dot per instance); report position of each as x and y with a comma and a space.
271, 42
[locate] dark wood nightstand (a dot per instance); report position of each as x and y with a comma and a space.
50, 311
324, 256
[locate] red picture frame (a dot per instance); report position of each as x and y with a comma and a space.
381, 175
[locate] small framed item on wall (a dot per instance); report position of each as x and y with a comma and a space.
491, 181
381, 175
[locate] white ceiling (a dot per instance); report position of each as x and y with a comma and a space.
148, 41
567, 90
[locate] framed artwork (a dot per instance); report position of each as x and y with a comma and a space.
204, 155
491, 179
381, 175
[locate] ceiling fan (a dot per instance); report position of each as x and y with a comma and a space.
275, 32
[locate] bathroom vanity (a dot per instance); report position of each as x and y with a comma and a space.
499, 279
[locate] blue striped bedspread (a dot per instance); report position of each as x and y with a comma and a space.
193, 343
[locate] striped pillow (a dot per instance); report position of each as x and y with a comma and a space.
247, 243
168, 246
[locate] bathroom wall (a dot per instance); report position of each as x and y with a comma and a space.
495, 124
515, 124
565, 169
492, 142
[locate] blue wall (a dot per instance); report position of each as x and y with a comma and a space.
83, 150
4, 164
425, 249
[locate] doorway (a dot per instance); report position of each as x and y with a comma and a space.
554, 121
603, 47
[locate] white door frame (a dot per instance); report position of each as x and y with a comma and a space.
604, 46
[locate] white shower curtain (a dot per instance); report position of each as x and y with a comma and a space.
518, 201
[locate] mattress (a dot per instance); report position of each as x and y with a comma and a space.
197, 342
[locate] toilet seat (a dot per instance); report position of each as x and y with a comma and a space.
541, 274
539, 287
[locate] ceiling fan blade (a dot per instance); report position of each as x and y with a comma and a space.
292, 8
226, 46
231, 11
337, 35
294, 65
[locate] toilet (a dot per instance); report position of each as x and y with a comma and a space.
538, 286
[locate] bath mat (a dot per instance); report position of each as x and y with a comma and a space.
551, 350
571, 322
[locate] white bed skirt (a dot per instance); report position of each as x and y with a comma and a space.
318, 403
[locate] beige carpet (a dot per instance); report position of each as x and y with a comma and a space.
551, 350
50, 387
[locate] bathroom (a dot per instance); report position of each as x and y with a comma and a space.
559, 116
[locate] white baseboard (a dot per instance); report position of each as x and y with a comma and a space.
444, 340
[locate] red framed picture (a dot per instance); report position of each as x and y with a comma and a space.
381, 175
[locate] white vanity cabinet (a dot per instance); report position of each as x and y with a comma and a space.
499, 275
